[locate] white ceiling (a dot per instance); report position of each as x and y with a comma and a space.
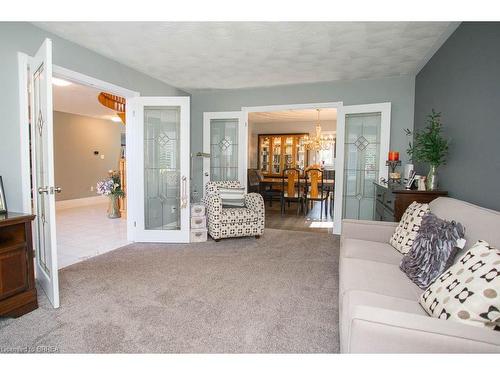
80, 100
302, 115
200, 55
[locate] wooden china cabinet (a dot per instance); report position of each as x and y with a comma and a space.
276, 152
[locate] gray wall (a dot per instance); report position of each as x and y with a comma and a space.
24, 37
397, 90
76, 138
462, 80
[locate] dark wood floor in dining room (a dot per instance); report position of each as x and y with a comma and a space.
312, 222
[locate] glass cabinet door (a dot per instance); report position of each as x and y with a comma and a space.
276, 162
361, 164
264, 154
301, 153
288, 146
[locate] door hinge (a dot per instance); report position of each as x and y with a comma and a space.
133, 113
135, 224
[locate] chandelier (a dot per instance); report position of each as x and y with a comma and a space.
319, 141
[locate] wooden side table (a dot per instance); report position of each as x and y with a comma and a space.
391, 201
17, 275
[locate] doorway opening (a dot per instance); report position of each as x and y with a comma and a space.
89, 147
291, 163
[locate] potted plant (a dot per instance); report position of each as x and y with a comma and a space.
429, 146
112, 188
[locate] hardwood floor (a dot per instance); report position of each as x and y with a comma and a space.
291, 221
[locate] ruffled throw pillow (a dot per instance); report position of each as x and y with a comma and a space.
433, 250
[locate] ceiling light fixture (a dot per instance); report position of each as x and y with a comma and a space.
116, 119
60, 82
319, 141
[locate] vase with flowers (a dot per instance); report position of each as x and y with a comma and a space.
429, 146
112, 188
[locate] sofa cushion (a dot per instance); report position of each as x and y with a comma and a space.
354, 298
408, 227
369, 250
381, 278
479, 223
469, 291
238, 216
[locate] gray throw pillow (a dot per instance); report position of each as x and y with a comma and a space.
433, 250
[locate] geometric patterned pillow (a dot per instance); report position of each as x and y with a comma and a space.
408, 227
469, 291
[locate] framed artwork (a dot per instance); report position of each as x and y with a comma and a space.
3, 202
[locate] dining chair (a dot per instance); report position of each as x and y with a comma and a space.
290, 189
315, 189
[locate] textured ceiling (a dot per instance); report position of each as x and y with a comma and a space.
80, 100
200, 55
310, 115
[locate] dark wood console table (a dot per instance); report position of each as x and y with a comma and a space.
17, 276
391, 200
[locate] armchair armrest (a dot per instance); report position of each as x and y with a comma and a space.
254, 202
378, 231
376, 330
213, 204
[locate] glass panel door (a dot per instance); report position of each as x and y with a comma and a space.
361, 164
362, 144
42, 148
162, 184
224, 147
159, 163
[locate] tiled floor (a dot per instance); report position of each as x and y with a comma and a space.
84, 232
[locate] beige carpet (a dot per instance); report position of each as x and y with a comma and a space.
276, 294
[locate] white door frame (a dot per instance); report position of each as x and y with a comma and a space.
385, 134
71, 75
287, 107
135, 154
207, 117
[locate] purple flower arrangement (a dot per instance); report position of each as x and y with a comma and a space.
110, 185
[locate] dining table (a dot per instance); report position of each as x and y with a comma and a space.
270, 181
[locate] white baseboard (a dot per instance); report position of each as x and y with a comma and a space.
80, 202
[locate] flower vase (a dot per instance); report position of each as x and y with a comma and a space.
114, 209
432, 178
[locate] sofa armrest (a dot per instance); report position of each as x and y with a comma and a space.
255, 202
213, 203
376, 330
378, 231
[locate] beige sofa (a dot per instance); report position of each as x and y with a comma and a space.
378, 305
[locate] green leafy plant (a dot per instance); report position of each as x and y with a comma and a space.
429, 145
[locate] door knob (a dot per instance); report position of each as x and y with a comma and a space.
206, 174
43, 189
56, 189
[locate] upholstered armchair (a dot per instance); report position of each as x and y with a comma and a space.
225, 222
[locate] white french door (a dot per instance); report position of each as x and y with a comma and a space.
363, 137
158, 158
224, 146
42, 149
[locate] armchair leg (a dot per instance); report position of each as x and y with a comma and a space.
257, 236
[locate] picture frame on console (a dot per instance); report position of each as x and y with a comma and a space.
3, 201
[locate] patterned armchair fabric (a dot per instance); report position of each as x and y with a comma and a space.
233, 222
